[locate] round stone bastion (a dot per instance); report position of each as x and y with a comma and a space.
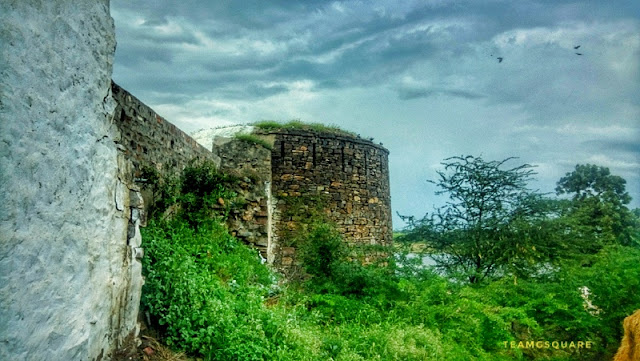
332, 176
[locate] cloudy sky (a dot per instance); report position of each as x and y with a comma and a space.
422, 77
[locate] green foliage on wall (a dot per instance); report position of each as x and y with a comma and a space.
254, 139
205, 193
297, 124
198, 192
298, 215
164, 188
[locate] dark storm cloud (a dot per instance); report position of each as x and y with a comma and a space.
253, 14
409, 93
352, 44
431, 66
359, 44
629, 148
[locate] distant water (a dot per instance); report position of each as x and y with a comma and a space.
427, 260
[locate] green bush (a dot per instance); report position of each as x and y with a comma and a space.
336, 268
205, 290
194, 193
553, 308
613, 280
165, 189
201, 188
322, 250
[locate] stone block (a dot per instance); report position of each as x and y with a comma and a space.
135, 199
288, 251
121, 196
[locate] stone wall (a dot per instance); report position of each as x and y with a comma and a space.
349, 174
252, 163
349, 178
150, 140
73, 145
69, 276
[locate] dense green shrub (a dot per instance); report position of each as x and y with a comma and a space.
204, 193
336, 268
209, 294
322, 250
613, 280
205, 290
164, 188
555, 309
194, 194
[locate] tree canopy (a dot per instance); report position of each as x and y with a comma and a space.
597, 212
492, 223
592, 181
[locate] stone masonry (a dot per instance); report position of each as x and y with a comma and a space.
252, 163
149, 140
347, 174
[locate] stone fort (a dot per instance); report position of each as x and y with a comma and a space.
72, 147
341, 176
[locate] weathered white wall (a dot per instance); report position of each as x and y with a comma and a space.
69, 283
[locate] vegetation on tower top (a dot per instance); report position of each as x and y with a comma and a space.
297, 124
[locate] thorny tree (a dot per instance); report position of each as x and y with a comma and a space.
492, 223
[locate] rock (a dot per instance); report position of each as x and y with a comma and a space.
135, 199
120, 196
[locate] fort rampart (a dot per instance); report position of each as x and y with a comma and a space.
73, 147
343, 176
149, 140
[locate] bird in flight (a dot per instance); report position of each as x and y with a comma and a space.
500, 59
578, 53
576, 47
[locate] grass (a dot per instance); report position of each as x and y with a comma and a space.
153, 350
297, 124
254, 139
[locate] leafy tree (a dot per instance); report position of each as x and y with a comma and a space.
492, 225
597, 213
588, 181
